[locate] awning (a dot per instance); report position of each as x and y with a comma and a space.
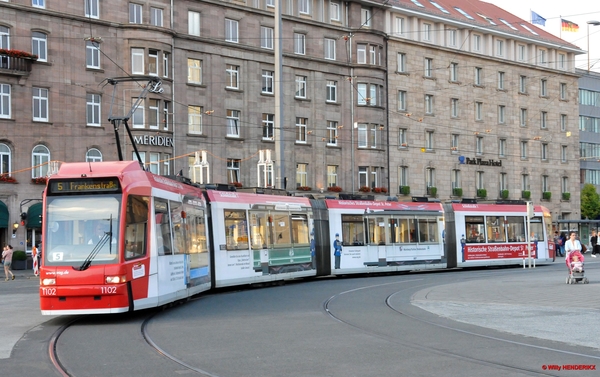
34, 216
3, 215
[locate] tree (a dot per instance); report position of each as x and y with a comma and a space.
590, 202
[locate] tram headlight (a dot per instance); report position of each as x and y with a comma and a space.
49, 281
115, 279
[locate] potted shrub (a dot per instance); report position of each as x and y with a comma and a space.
365, 189
504, 194
481, 193
334, 189
19, 260
404, 190
457, 191
431, 190
566, 196
526, 194
546, 195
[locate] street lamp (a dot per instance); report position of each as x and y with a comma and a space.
594, 23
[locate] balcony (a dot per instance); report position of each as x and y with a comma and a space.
18, 63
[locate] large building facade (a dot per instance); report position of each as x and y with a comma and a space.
443, 99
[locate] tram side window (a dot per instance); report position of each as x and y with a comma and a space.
515, 226
163, 227
260, 235
136, 225
376, 230
495, 228
196, 231
300, 232
281, 228
428, 230
537, 229
177, 228
353, 231
236, 231
403, 230
475, 228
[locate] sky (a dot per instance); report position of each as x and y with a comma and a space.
577, 11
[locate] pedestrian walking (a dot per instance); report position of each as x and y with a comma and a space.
594, 244
7, 254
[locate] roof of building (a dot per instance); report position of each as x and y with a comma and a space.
481, 14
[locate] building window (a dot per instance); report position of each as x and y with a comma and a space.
362, 135
478, 75
522, 84
563, 91
478, 110
331, 95
267, 82
166, 57
502, 148
543, 87
93, 155
299, 44
429, 177
545, 183
401, 62
476, 43
454, 72
195, 120
562, 61
268, 126
456, 179
401, 100
480, 180
135, 13
426, 32
544, 152
564, 187
521, 53
365, 17
92, 55
301, 175
373, 136
166, 115
153, 62
503, 181
544, 119
563, 122
156, 16
428, 104
92, 8
454, 107
334, 11
233, 170
362, 176
523, 117
5, 159
231, 31
361, 53
563, 153
332, 175
138, 119
361, 90
304, 6
501, 80
329, 49
137, 61
400, 22
154, 165
38, 3
39, 46
429, 140
194, 71
40, 104
153, 113
499, 48
5, 99
454, 143
428, 67
373, 94
501, 114
300, 86
452, 37
93, 109
523, 150
233, 72
40, 158
479, 145
233, 123
301, 130
403, 175
402, 140
193, 23
332, 133
266, 37
542, 57
525, 182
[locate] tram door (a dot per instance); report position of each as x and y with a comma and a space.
261, 235
376, 239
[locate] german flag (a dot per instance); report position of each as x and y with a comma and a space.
569, 26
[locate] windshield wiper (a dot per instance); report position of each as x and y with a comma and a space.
88, 261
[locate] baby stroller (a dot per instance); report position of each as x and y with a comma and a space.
576, 270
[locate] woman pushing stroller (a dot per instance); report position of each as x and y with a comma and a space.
574, 261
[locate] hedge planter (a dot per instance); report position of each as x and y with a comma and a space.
546, 195
481, 193
504, 194
405, 190
432, 191
457, 191
566, 196
526, 194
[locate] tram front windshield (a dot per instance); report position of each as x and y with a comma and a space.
81, 227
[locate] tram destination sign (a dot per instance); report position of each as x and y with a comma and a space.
84, 185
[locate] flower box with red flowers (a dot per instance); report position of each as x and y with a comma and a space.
334, 189
39, 180
17, 54
365, 189
237, 184
304, 188
379, 190
7, 178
